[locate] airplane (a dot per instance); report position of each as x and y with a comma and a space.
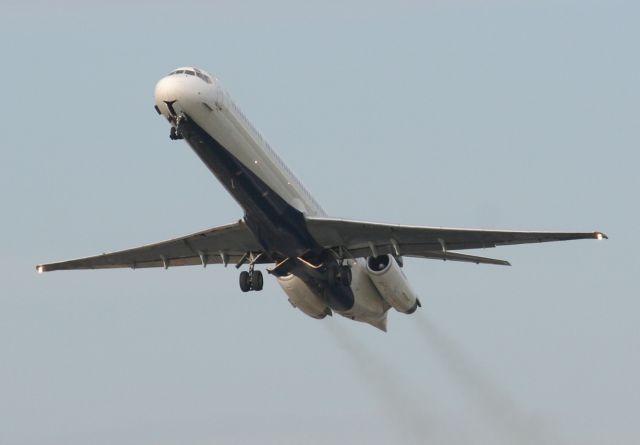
324, 265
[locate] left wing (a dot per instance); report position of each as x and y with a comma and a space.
362, 239
223, 244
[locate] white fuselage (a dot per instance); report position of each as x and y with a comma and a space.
216, 113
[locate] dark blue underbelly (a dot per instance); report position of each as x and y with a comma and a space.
280, 228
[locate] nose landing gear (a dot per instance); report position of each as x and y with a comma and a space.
175, 134
176, 119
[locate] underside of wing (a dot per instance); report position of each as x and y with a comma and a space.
362, 239
228, 244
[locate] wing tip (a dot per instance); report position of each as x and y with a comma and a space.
600, 235
40, 268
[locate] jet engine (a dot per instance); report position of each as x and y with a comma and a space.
301, 297
388, 278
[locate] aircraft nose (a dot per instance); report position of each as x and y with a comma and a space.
168, 91
184, 91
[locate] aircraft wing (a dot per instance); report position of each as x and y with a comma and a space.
362, 239
224, 244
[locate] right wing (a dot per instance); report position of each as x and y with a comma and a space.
363, 238
223, 244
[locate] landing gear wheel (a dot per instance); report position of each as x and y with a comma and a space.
245, 281
256, 280
175, 134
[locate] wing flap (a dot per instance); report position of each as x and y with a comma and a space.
455, 256
418, 251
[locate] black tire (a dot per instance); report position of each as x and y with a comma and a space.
256, 280
345, 275
245, 281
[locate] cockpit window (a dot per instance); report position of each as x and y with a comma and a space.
203, 77
194, 72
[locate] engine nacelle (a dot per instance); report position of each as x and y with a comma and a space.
388, 278
301, 297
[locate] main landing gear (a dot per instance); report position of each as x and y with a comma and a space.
251, 280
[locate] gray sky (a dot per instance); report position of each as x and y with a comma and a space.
491, 114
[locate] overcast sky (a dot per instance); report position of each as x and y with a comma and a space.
492, 114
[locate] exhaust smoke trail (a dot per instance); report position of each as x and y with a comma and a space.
494, 403
405, 412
